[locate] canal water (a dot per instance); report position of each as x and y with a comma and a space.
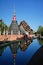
19, 53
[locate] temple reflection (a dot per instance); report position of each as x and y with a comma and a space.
14, 47
24, 45
40, 41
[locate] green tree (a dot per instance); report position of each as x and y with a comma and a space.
3, 26
40, 30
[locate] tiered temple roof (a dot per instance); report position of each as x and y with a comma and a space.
26, 27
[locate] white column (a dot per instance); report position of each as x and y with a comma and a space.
6, 32
0, 32
11, 32
19, 32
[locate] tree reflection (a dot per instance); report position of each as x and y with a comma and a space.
40, 41
1, 50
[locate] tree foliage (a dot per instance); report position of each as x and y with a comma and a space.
40, 30
3, 26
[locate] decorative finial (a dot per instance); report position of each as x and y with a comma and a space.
14, 17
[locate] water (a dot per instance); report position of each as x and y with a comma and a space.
6, 58
19, 53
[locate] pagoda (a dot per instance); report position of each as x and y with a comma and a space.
14, 25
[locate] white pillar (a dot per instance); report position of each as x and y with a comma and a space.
0, 32
6, 32
11, 32
19, 32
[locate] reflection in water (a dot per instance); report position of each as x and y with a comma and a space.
21, 51
24, 45
23, 57
1, 51
40, 41
6, 58
14, 48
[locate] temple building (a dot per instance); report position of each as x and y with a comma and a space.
18, 29
25, 28
14, 25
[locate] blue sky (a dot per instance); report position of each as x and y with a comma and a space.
29, 10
